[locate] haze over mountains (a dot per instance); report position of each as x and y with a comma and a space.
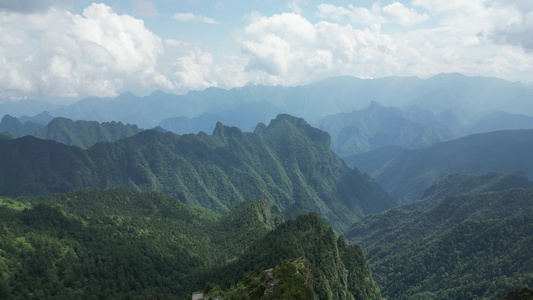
419, 111
432, 177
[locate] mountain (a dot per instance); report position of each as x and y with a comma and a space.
466, 247
41, 118
244, 117
122, 244
339, 270
14, 126
457, 184
451, 97
287, 163
85, 133
407, 173
378, 126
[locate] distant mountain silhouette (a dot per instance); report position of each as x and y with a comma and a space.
407, 173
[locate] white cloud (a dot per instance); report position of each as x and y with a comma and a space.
190, 17
400, 14
66, 55
286, 25
60, 54
352, 14
334, 49
473, 15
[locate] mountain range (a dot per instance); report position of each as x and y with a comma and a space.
460, 97
417, 171
406, 173
287, 162
377, 126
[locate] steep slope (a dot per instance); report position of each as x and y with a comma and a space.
407, 173
339, 271
84, 134
476, 245
378, 126
122, 244
287, 162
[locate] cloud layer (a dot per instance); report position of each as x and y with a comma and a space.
46, 52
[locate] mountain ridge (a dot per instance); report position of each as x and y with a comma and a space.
290, 162
407, 173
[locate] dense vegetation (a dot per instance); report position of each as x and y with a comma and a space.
95, 244
287, 162
340, 271
84, 134
473, 246
288, 280
407, 173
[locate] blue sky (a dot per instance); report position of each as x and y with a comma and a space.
77, 48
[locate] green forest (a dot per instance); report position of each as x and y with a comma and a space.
288, 162
470, 246
106, 211
95, 244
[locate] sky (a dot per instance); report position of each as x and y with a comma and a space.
53, 49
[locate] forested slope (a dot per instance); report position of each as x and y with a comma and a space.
407, 173
472, 246
288, 163
95, 244
84, 134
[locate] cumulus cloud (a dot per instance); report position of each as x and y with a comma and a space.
519, 32
400, 14
102, 53
190, 17
352, 14
67, 55
332, 49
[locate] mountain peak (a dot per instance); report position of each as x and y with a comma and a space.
300, 124
223, 130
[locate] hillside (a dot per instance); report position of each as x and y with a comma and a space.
287, 162
122, 244
84, 134
468, 246
339, 271
378, 126
407, 173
